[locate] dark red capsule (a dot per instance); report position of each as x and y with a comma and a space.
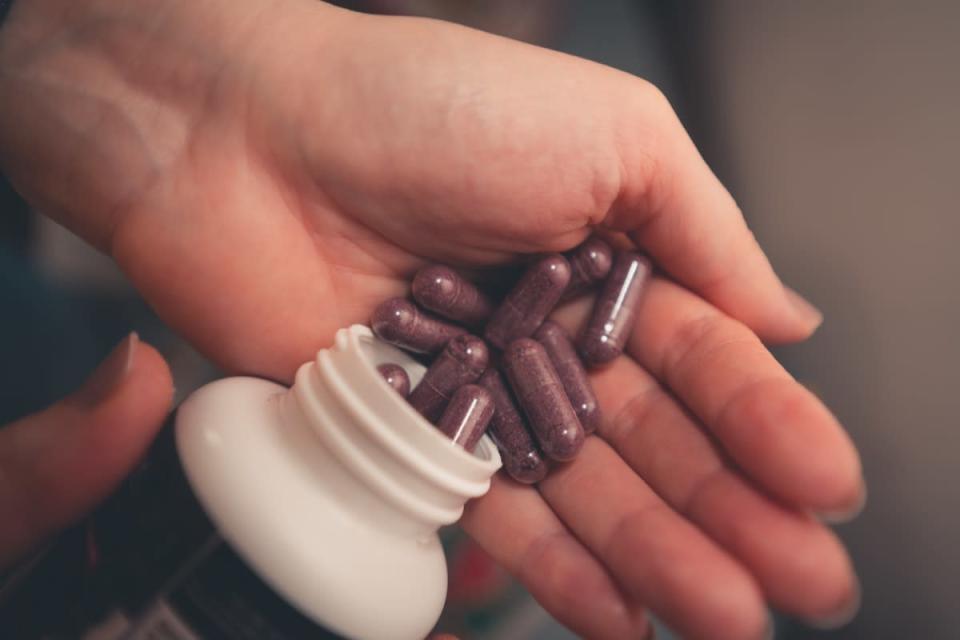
589, 264
396, 376
520, 455
614, 312
540, 394
461, 362
530, 301
467, 415
399, 321
573, 376
447, 293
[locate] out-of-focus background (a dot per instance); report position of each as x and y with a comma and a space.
834, 124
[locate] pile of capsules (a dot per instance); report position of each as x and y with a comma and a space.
535, 364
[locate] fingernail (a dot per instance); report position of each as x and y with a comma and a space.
841, 617
840, 516
109, 374
808, 314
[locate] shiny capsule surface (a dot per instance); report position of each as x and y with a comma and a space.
540, 394
572, 374
461, 362
520, 454
400, 322
530, 301
447, 293
589, 264
614, 311
467, 415
396, 376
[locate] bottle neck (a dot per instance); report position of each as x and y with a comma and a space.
374, 438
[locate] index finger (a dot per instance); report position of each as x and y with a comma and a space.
672, 205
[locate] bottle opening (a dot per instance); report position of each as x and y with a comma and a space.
375, 352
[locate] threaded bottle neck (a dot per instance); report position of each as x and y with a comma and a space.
380, 440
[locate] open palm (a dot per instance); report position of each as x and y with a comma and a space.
267, 172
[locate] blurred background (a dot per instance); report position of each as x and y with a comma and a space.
834, 124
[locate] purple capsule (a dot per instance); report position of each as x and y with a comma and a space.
446, 292
542, 398
614, 312
467, 415
573, 376
461, 362
399, 321
520, 455
396, 376
589, 264
530, 301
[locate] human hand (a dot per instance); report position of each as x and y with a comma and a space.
267, 172
57, 464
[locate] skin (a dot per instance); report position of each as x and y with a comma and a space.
268, 171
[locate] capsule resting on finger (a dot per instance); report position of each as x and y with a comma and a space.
396, 376
540, 394
573, 376
520, 455
530, 301
399, 322
467, 415
590, 262
461, 362
447, 293
614, 311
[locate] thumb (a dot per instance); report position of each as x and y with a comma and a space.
57, 464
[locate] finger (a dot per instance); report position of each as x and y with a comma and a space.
800, 565
58, 464
775, 430
675, 208
658, 557
517, 528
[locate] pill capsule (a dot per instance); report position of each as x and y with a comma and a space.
446, 292
396, 377
530, 301
467, 415
461, 362
573, 376
520, 455
400, 322
542, 398
614, 312
589, 263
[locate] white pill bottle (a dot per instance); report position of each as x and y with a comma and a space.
308, 512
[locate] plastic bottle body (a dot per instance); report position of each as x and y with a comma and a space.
333, 491
330, 493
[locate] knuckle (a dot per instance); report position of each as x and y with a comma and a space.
651, 97
545, 562
634, 415
690, 341
630, 524
701, 487
604, 189
746, 408
646, 141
